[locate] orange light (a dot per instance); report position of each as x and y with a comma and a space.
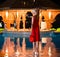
6, 14
49, 14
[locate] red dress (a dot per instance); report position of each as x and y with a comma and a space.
35, 34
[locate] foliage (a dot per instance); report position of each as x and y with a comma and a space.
53, 29
58, 29
1, 29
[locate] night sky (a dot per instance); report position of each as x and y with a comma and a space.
1, 1
55, 1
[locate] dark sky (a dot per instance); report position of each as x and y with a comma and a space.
56, 1
1, 1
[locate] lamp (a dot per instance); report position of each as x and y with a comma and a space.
17, 14
49, 14
6, 14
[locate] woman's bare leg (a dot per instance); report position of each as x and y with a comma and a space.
37, 48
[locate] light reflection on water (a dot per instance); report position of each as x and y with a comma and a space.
2, 39
55, 37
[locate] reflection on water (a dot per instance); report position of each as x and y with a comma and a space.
12, 49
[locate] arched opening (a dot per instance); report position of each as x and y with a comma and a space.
28, 19
21, 23
56, 24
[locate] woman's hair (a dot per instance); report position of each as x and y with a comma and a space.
37, 15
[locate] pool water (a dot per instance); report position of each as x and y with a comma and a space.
55, 38
28, 43
1, 41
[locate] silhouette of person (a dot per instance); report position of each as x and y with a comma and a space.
28, 19
56, 24
1, 22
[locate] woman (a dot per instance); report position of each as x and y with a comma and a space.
35, 34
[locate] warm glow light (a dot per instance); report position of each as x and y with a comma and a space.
17, 14
40, 15
24, 3
33, 0
6, 14
6, 54
49, 15
49, 52
44, 40
17, 53
6, 50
